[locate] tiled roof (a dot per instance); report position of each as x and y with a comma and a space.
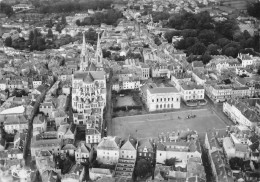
109, 143
95, 75
129, 144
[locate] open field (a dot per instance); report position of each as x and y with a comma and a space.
151, 125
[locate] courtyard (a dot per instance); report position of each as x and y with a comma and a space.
126, 100
150, 125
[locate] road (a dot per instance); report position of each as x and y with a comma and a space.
108, 110
217, 108
27, 146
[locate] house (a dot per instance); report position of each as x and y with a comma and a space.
241, 112
63, 127
145, 150
50, 176
218, 92
71, 132
160, 98
77, 173
246, 59
36, 82
19, 139
15, 153
69, 148
180, 145
127, 158
128, 149
3, 84
39, 124
199, 77
13, 123
96, 173
82, 153
46, 141
2, 142
47, 108
191, 91
108, 150
22, 7
93, 136
44, 161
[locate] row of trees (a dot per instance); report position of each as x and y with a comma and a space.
110, 17
253, 9
7, 9
203, 36
67, 7
39, 42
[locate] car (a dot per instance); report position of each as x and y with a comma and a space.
122, 95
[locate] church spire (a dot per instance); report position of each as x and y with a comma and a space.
98, 54
84, 56
83, 49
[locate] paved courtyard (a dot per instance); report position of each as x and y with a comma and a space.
125, 101
151, 125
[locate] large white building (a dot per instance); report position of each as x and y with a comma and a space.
160, 98
89, 93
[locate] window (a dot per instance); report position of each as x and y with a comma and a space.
160, 154
152, 100
164, 99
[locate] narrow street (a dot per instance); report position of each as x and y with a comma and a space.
27, 146
108, 110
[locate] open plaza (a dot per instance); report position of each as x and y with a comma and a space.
151, 125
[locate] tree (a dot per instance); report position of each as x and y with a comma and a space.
207, 36
213, 49
50, 34
222, 42
231, 51
236, 163
246, 34
7, 9
227, 28
58, 27
49, 24
198, 49
169, 34
189, 33
170, 162
143, 168
8, 42
157, 41
253, 9
78, 22
40, 44
31, 37
206, 58
63, 20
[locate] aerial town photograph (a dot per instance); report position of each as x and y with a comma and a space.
129, 90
